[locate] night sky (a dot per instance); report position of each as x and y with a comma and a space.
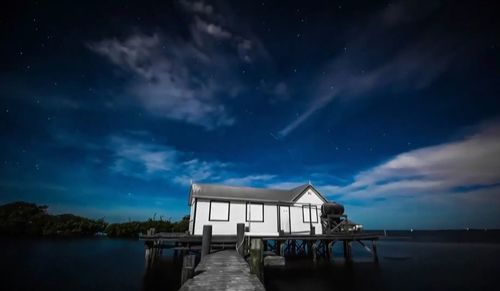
111, 108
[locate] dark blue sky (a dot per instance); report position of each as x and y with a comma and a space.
392, 108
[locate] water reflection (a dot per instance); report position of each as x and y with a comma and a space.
106, 264
164, 274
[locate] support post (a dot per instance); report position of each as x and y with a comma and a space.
330, 250
282, 248
375, 254
314, 249
206, 240
147, 255
240, 236
188, 264
347, 251
256, 257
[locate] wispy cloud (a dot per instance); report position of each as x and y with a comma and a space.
195, 170
197, 7
186, 79
351, 74
470, 165
166, 83
211, 29
208, 28
137, 158
141, 158
146, 160
454, 184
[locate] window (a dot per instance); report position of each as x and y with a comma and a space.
255, 212
305, 213
219, 211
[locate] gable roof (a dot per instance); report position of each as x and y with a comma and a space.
212, 191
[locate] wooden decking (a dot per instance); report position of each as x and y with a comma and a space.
336, 236
187, 238
224, 270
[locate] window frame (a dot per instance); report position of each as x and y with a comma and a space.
219, 201
247, 219
303, 214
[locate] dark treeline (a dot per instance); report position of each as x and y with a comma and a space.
133, 228
29, 219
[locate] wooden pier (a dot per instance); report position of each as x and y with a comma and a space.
223, 264
223, 270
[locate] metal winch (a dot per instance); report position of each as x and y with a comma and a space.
334, 220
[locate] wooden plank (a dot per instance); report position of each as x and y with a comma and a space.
188, 265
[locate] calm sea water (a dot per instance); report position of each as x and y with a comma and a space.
109, 264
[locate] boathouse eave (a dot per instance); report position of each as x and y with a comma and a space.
242, 199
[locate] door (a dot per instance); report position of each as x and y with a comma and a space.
285, 218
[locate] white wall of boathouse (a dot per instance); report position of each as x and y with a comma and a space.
236, 215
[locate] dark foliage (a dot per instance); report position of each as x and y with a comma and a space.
133, 228
29, 219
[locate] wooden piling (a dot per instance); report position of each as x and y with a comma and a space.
282, 248
147, 255
206, 240
347, 250
188, 265
240, 236
310, 249
374, 249
314, 249
256, 257
330, 250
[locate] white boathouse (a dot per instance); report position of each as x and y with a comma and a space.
264, 211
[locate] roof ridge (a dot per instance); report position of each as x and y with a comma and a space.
251, 187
